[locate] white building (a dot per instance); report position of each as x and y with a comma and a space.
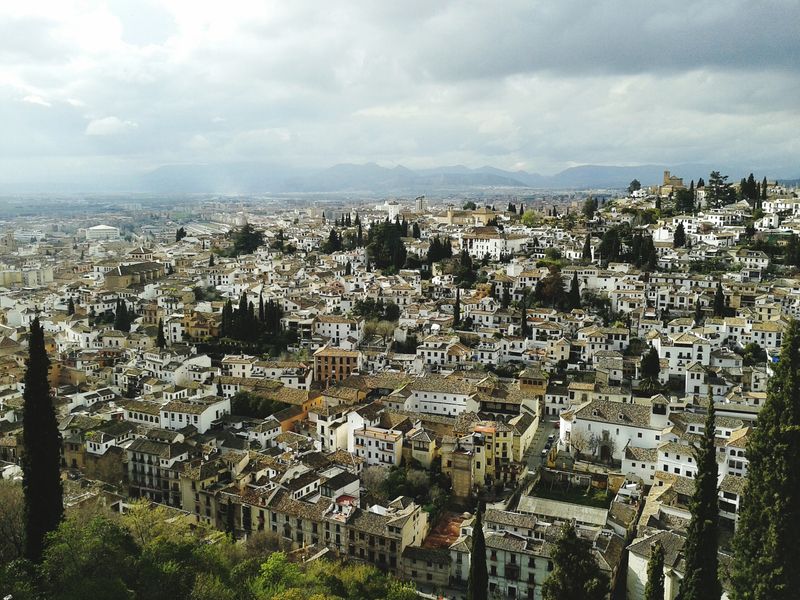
102, 232
378, 446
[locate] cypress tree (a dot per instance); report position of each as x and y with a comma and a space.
719, 301
654, 590
457, 309
574, 292
161, 341
211, 260
698, 312
587, 248
505, 298
576, 573
701, 578
765, 544
478, 581
41, 481
261, 315
524, 314
679, 238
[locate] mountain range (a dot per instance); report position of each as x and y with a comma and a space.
259, 178
370, 177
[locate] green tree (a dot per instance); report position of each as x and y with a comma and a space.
385, 247
753, 354
765, 543
161, 341
654, 590
574, 298
698, 312
719, 301
41, 460
470, 205
589, 206
550, 289
701, 577
247, 240
12, 522
478, 579
180, 234
576, 574
121, 322
719, 191
333, 243
679, 237
587, 248
634, 186
651, 365
71, 306
457, 309
96, 560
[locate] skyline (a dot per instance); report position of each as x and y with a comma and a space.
103, 91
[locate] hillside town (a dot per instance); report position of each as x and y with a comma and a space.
362, 379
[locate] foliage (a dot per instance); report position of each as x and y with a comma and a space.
753, 354
333, 243
574, 297
719, 191
465, 274
701, 578
247, 240
146, 555
123, 318
679, 237
478, 579
161, 341
385, 247
654, 590
376, 310
549, 290
41, 461
470, 205
634, 186
439, 249
651, 365
407, 347
263, 331
246, 404
768, 530
12, 521
576, 573
719, 301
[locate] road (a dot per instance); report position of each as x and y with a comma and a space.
533, 457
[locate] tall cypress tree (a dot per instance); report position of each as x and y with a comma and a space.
457, 309
524, 329
71, 306
161, 341
44, 507
574, 292
719, 301
765, 544
654, 590
587, 248
478, 581
701, 578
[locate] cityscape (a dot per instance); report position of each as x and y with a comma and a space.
283, 353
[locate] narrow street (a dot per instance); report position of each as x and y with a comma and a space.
533, 457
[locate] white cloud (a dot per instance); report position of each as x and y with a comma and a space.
34, 99
109, 126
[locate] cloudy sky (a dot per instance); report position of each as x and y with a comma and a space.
110, 88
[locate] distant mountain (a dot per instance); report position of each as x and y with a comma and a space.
257, 177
